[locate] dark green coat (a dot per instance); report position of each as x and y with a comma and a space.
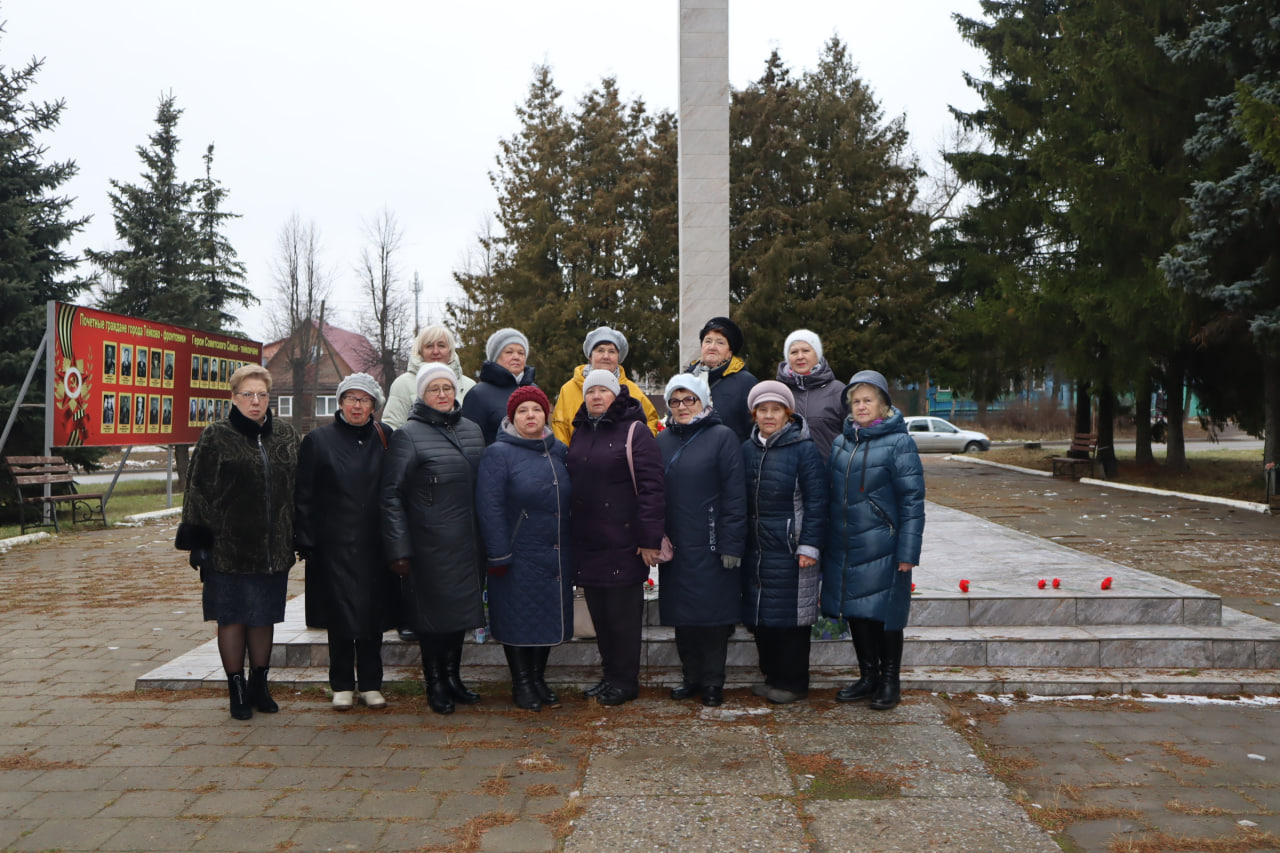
239, 497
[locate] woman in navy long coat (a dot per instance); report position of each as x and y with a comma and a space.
874, 534
523, 502
786, 522
617, 525
700, 590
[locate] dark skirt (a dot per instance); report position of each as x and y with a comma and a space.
240, 599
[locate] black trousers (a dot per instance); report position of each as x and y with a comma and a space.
784, 656
349, 656
617, 613
703, 649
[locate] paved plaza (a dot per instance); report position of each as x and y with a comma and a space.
88, 763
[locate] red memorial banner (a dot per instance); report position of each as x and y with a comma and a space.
117, 380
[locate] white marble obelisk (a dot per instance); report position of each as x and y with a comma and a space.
704, 168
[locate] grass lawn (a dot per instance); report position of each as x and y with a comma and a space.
1223, 473
127, 499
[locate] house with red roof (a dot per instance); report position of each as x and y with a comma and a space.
307, 366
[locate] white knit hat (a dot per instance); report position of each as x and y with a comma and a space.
605, 335
690, 382
435, 370
810, 338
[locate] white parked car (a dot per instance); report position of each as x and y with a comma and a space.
934, 435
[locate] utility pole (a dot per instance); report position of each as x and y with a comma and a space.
417, 290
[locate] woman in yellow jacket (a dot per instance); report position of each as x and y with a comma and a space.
605, 349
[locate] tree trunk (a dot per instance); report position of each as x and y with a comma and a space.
1106, 452
1176, 416
1142, 421
1271, 401
1084, 417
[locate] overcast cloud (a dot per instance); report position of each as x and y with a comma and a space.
335, 110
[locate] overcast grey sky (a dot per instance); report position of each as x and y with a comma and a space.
336, 110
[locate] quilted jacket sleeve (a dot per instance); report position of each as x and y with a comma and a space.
811, 478
908, 487
651, 501
491, 505
733, 517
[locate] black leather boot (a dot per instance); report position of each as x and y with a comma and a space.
523, 693
548, 696
866, 645
439, 696
259, 695
241, 708
890, 690
453, 665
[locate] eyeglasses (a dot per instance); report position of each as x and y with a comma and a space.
358, 401
682, 402
253, 395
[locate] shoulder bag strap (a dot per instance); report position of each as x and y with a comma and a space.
631, 465
382, 435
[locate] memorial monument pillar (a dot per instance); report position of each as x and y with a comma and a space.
704, 168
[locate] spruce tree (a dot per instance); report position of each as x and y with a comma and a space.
35, 224
221, 273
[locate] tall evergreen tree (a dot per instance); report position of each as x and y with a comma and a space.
176, 265
824, 221
35, 224
1086, 118
222, 274
1230, 254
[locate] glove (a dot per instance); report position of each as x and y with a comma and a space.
201, 559
730, 562
400, 567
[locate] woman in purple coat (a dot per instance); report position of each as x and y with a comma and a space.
618, 506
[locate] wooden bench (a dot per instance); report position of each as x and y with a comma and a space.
1084, 446
33, 472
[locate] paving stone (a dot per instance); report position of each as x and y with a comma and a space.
66, 804
711, 823
339, 835
234, 803
396, 804
525, 836
80, 834
149, 804
158, 833
968, 825
252, 835
310, 804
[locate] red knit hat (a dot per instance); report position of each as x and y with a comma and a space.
523, 394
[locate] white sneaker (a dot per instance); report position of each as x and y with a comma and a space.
343, 700
373, 699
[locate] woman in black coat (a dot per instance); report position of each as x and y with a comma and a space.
430, 531
786, 521
523, 502
337, 529
700, 590
616, 523
504, 371
723, 369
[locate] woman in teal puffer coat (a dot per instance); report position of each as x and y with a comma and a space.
874, 533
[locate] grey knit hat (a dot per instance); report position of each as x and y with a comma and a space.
771, 390
869, 377
499, 340
435, 370
605, 335
601, 377
362, 382
690, 382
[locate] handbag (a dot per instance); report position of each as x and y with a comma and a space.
666, 551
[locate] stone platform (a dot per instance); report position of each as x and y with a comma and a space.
1005, 635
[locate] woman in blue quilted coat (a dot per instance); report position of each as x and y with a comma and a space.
706, 521
874, 533
522, 497
786, 522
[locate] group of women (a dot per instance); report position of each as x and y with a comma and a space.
763, 503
